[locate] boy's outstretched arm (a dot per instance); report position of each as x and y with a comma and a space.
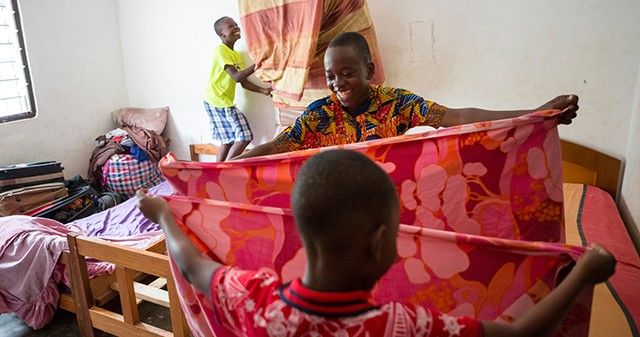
239, 75
195, 267
260, 150
256, 88
280, 144
595, 266
567, 103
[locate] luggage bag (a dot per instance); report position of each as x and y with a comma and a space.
24, 200
30, 174
79, 204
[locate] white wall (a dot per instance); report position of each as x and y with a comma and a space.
631, 184
517, 54
167, 47
493, 54
76, 66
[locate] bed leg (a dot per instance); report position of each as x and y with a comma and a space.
178, 322
82, 297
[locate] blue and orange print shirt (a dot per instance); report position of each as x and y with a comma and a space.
389, 112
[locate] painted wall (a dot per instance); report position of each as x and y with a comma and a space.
167, 53
517, 54
631, 184
76, 65
491, 54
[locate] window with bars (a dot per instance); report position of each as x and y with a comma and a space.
16, 91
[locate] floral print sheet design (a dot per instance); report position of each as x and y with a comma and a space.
481, 208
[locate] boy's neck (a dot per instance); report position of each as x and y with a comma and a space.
229, 44
336, 279
360, 109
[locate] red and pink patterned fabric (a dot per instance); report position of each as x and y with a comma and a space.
498, 179
469, 195
459, 274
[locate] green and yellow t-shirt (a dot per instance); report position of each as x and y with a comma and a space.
222, 88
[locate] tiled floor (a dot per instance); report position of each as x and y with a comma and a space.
64, 323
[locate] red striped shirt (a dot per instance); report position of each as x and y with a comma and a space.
249, 303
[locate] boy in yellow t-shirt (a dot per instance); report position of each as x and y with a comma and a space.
228, 123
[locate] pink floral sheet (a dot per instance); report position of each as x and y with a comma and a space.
499, 179
482, 204
462, 274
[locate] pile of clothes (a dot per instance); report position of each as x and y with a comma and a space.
126, 159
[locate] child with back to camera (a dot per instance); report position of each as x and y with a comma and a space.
347, 213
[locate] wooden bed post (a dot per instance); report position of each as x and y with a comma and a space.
128, 301
82, 297
195, 150
129, 263
178, 321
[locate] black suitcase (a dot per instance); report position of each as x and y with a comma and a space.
29, 174
79, 204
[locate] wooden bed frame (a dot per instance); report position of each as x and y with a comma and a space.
586, 166
195, 150
104, 288
87, 296
581, 165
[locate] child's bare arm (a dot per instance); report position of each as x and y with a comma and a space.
260, 150
195, 267
567, 103
256, 88
595, 266
239, 75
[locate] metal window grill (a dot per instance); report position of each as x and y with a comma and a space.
16, 92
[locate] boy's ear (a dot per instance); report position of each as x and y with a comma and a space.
371, 68
377, 243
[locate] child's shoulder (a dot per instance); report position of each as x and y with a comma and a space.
398, 94
317, 105
223, 49
391, 91
263, 277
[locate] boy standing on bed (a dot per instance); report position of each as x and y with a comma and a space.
357, 111
228, 123
347, 213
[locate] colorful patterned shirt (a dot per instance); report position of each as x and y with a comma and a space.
389, 112
256, 304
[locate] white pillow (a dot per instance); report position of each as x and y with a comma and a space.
150, 119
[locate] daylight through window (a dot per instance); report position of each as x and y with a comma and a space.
16, 93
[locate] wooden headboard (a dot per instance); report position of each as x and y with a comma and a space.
587, 166
195, 150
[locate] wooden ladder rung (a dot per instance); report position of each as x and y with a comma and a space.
151, 292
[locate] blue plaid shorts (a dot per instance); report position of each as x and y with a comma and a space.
228, 124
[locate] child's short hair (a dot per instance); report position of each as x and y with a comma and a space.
356, 41
339, 194
217, 25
